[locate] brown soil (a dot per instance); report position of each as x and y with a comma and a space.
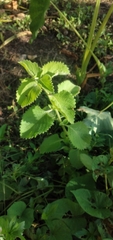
45, 48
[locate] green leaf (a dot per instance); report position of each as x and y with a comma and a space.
55, 68
59, 208
16, 209
86, 160
28, 92
100, 166
85, 181
79, 135
31, 68
2, 132
28, 217
35, 121
70, 87
74, 156
46, 83
50, 144
37, 13
59, 230
64, 102
93, 202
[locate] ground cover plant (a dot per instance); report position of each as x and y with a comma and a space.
56, 176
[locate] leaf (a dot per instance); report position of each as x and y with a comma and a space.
94, 203
74, 156
86, 160
37, 13
79, 135
28, 92
100, 166
50, 144
46, 83
16, 209
35, 121
59, 208
28, 217
59, 230
2, 132
85, 181
55, 68
70, 87
31, 68
64, 102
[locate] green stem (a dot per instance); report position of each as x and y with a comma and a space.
60, 121
106, 107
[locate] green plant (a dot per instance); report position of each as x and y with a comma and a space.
68, 216
81, 73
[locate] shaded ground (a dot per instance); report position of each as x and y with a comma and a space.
45, 48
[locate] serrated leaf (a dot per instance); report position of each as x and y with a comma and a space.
95, 203
35, 121
64, 102
50, 144
70, 87
46, 83
55, 68
28, 92
79, 135
37, 12
31, 68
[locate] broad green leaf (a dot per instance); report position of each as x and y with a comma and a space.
28, 92
79, 135
59, 208
85, 181
31, 68
64, 102
28, 217
55, 68
37, 13
46, 83
70, 87
75, 224
59, 230
50, 144
74, 156
94, 203
35, 121
16, 209
100, 166
86, 160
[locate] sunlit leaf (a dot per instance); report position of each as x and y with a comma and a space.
55, 68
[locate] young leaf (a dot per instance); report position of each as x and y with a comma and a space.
31, 68
70, 87
35, 121
46, 83
93, 202
55, 68
50, 144
64, 102
37, 12
79, 135
28, 92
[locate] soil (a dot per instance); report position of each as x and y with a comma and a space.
45, 48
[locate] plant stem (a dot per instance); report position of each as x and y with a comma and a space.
60, 121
